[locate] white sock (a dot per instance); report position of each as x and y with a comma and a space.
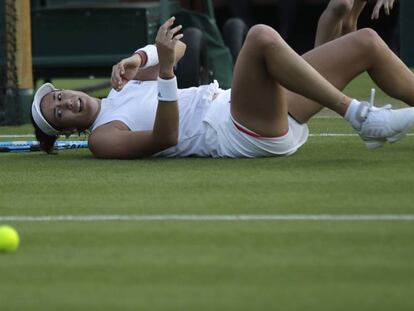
356, 114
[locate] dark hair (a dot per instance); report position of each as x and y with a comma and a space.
46, 142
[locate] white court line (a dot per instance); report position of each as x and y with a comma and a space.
178, 217
332, 135
311, 135
341, 135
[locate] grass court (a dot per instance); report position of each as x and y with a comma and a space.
167, 234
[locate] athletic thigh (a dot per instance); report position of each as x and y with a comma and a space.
257, 101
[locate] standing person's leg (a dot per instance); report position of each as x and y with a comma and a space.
330, 22
350, 22
341, 60
340, 17
265, 67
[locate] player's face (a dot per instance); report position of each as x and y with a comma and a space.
68, 110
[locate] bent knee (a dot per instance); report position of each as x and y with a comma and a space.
368, 42
368, 34
368, 38
340, 8
262, 35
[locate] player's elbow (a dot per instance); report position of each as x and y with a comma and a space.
170, 140
102, 149
165, 137
174, 141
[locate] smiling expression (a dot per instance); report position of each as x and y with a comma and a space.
70, 111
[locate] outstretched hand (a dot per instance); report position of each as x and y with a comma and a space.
166, 40
387, 4
125, 71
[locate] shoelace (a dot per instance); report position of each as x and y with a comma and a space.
372, 100
372, 97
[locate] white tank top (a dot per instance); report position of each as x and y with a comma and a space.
136, 104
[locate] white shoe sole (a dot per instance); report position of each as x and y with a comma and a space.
373, 144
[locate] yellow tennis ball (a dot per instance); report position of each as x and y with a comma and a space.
9, 239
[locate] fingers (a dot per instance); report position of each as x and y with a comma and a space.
377, 8
386, 8
387, 4
391, 4
168, 23
178, 37
166, 32
162, 32
173, 31
118, 71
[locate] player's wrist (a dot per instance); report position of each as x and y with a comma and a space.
139, 59
149, 56
167, 89
166, 73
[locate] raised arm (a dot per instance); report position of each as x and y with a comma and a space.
115, 140
130, 68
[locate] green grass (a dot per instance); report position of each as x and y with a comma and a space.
213, 265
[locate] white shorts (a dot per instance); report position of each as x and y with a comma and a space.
225, 137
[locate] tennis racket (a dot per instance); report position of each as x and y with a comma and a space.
27, 146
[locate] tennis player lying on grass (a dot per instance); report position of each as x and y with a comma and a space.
274, 93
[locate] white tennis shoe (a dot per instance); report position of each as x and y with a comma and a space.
379, 125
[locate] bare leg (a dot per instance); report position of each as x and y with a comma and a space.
266, 66
351, 20
343, 59
339, 18
331, 20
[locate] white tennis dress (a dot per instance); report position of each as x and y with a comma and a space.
206, 128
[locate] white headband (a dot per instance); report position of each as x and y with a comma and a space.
37, 112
